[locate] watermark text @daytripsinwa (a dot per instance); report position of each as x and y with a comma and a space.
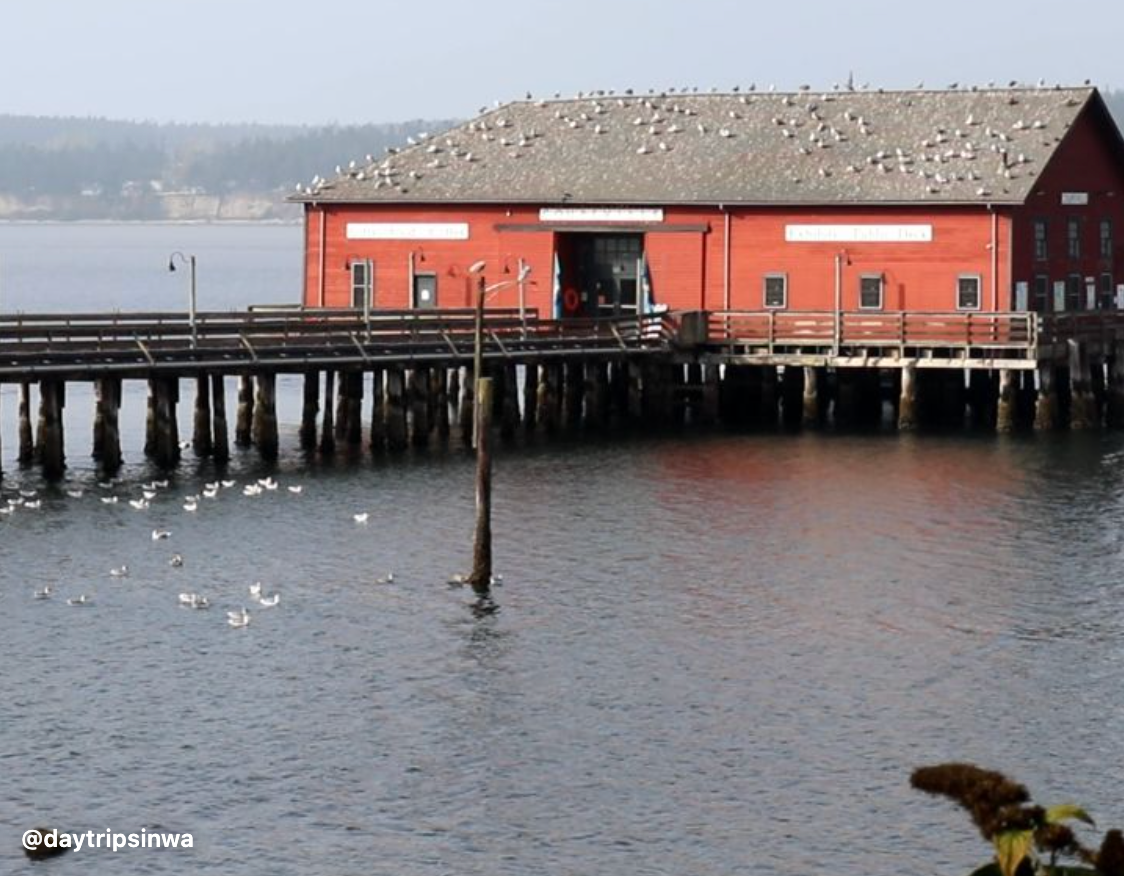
107, 840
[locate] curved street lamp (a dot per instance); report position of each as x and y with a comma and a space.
189, 261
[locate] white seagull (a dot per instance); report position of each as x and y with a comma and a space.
238, 619
78, 600
255, 590
269, 601
75, 494
45, 593
361, 518
120, 572
158, 534
296, 491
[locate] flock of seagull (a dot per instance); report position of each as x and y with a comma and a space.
240, 619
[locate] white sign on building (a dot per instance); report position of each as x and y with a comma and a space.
596, 214
1075, 199
858, 233
407, 231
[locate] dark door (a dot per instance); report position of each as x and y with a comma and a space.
608, 266
425, 290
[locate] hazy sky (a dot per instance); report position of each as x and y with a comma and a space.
373, 61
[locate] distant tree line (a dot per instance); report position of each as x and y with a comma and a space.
101, 158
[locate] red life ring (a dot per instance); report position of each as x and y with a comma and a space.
570, 301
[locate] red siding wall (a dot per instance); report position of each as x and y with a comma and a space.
688, 266
1085, 162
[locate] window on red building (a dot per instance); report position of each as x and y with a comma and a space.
1073, 292
1041, 247
870, 292
1041, 302
776, 290
968, 292
1106, 238
1073, 237
1106, 295
362, 274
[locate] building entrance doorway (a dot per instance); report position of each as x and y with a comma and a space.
600, 273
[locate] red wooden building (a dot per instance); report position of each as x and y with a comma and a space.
931, 201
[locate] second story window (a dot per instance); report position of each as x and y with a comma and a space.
1041, 249
1073, 237
361, 272
1106, 238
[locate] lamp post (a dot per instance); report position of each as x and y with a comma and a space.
188, 260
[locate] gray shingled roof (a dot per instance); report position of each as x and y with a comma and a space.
750, 148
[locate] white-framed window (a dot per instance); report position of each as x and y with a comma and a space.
870, 292
1041, 301
1041, 240
1106, 238
1073, 237
362, 282
968, 292
1107, 295
775, 290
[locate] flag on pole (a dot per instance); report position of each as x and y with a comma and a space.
557, 288
645, 302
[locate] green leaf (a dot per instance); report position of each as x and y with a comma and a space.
1065, 812
1011, 847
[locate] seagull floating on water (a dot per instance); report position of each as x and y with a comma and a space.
388, 578
237, 619
158, 534
190, 506
226, 485
75, 494
362, 518
32, 504
194, 600
109, 500
138, 504
78, 600
176, 561
120, 572
255, 590
269, 601
29, 494
45, 593
296, 491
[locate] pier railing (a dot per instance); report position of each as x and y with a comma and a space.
277, 339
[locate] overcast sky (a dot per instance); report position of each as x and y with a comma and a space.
374, 61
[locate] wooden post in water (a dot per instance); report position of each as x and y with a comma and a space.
165, 449
201, 442
27, 443
769, 396
378, 412
453, 393
327, 427
509, 412
419, 407
310, 410
810, 405
907, 399
1046, 405
343, 386
439, 392
1005, 412
550, 399
244, 416
110, 401
530, 396
711, 395
1115, 390
355, 408
396, 437
597, 395
1082, 406
792, 397
220, 443
481, 575
52, 395
99, 418
466, 414
572, 388
265, 416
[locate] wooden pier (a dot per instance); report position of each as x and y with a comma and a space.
413, 372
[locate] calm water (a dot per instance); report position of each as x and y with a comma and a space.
714, 655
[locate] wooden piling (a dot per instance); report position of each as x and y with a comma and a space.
739, 394
343, 387
1046, 405
811, 413
465, 412
396, 434
982, 397
1005, 409
597, 395
572, 391
150, 420
109, 400
310, 410
26, 441
166, 450
530, 396
378, 412
1082, 405
52, 395
907, 399
481, 575
792, 397
327, 427
710, 396
201, 441
439, 402
769, 395
265, 416
220, 443
354, 434
244, 416
419, 407
635, 409
509, 410
99, 418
